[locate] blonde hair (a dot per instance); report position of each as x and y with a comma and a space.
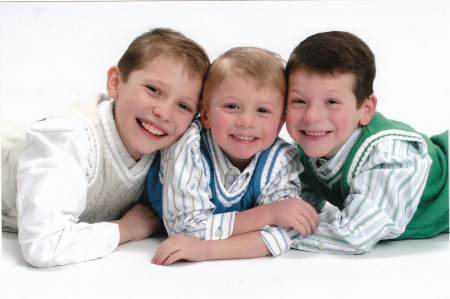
264, 67
168, 43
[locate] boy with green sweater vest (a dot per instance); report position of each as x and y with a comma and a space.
385, 180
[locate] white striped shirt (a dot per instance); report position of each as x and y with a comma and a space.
382, 199
187, 197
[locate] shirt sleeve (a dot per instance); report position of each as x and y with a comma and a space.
281, 182
187, 208
51, 194
382, 200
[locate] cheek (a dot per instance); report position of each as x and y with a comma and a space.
345, 124
218, 120
291, 119
182, 124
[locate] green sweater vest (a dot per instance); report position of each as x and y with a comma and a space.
432, 214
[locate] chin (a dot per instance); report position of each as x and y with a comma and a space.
313, 153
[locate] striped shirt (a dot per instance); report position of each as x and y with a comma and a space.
383, 195
203, 192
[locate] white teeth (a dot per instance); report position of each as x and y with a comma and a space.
152, 129
248, 138
315, 133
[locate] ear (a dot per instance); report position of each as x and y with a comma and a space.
282, 121
368, 110
204, 115
112, 82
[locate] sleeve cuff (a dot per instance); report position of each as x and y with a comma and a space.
221, 226
276, 239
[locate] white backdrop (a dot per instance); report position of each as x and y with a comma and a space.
52, 54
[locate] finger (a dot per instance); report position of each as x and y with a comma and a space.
310, 218
304, 224
299, 226
311, 221
163, 251
174, 257
310, 213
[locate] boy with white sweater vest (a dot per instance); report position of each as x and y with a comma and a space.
81, 172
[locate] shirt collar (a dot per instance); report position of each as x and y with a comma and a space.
333, 165
227, 172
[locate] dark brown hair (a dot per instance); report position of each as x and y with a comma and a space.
164, 42
336, 52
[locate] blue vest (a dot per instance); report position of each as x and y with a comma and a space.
153, 189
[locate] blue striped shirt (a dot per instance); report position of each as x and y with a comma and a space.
190, 205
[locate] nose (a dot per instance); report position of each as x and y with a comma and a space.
163, 110
313, 114
245, 119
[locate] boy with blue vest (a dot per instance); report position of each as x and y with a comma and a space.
81, 172
230, 186
386, 180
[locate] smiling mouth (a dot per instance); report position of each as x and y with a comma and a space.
246, 138
151, 129
315, 133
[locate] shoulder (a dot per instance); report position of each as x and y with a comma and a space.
62, 134
388, 149
386, 133
281, 150
187, 144
281, 156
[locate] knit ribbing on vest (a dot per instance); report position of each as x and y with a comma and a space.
112, 187
431, 216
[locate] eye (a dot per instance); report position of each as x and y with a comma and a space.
262, 110
332, 101
154, 90
297, 101
185, 107
231, 106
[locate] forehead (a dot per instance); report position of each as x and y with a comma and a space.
233, 83
306, 77
165, 63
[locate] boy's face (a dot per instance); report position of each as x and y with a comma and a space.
243, 119
154, 107
321, 111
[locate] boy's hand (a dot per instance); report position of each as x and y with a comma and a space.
180, 247
138, 223
295, 213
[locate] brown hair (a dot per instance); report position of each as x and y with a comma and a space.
264, 67
164, 42
336, 52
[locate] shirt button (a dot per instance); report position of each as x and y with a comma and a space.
321, 245
218, 232
234, 171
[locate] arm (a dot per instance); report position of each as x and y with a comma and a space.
181, 247
279, 199
51, 195
138, 223
279, 202
290, 212
383, 197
